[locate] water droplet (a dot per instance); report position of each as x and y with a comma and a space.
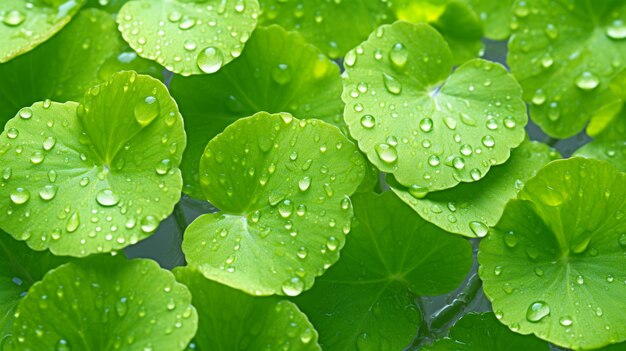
622, 240
458, 163
210, 60
450, 122
551, 31
434, 161
368, 121
189, 45
551, 197
12, 133
566, 321
36, 158
547, 61
48, 192
510, 239
386, 153
616, 30
147, 110
164, 166
73, 222
293, 286
539, 98
419, 192
391, 84
580, 280
49, 143
509, 122
587, 81
14, 18
107, 198
304, 183
20, 196
426, 125
488, 141
398, 55
186, 23
26, 113
537, 311
121, 307
332, 243
149, 224
475, 174
62, 345
285, 208
281, 74
479, 228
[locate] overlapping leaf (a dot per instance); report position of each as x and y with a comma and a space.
232, 320
105, 303
367, 300
282, 186
96, 177
565, 55
188, 37
470, 208
555, 264
25, 25
277, 72
430, 129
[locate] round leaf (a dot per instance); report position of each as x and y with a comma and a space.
429, 130
24, 25
610, 145
105, 303
555, 264
483, 332
95, 177
333, 26
277, 72
565, 57
282, 185
61, 69
20, 267
188, 37
470, 208
232, 320
367, 300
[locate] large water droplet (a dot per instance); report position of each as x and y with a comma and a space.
304, 183
419, 192
293, 286
48, 192
616, 30
368, 121
566, 321
149, 224
479, 228
20, 196
210, 60
14, 18
73, 222
398, 55
107, 198
164, 166
147, 110
587, 81
391, 84
426, 125
386, 153
537, 311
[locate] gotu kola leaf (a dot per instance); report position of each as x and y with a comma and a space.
333, 26
232, 320
25, 25
366, 301
565, 55
471, 208
282, 186
277, 72
105, 303
430, 129
555, 264
188, 37
82, 55
483, 332
96, 177
20, 268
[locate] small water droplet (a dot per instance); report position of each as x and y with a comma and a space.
304, 183
398, 55
368, 121
48, 192
488, 141
73, 222
147, 110
62, 345
14, 18
391, 84
26, 113
164, 166
281, 74
566, 321
210, 60
537, 311
475, 174
616, 30
49, 143
149, 224
426, 125
386, 153
479, 228
12, 133
20, 196
293, 286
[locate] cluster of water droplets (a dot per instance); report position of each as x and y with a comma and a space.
192, 36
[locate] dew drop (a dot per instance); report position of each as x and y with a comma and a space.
391, 84
107, 198
488, 141
479, 228
537, 311
73, 222
62, 345
210, 60
49, 143
12, 133
587, 81
20, 196
164, 166
475, 174
368, 121
426, 125
566, 321
147, 110
14, 18
281, 74
48, 192
304, 183
26, 113
398, 55
616, 30
149, 224
386, 153
293, 286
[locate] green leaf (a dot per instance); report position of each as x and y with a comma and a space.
282, 185
429, 130
277, 72
495, 15
483, 332
232, 320
610, 145
565, 57
456, 22
105, 303
555, 264
80, 179
188, 37
333, 26
20, 267
470, 208
61, 69
25, 25
367, 300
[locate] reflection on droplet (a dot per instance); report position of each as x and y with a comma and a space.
20, 196
537, 311
147, 110
14, 18
293, 286
107, 198
587, 81
210, 60
616, 30
386, 153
